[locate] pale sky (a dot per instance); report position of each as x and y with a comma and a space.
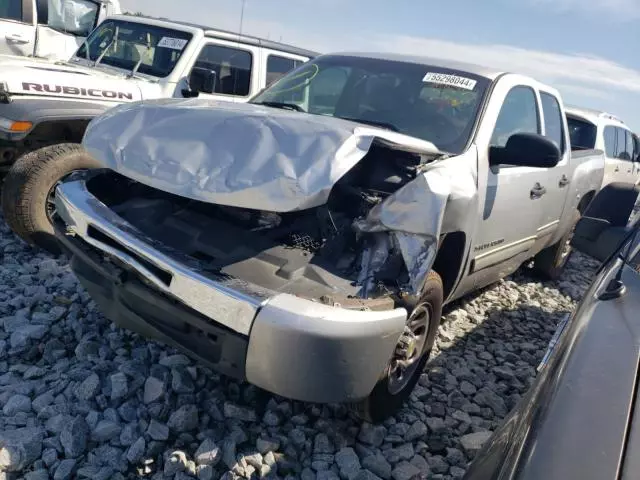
588, 49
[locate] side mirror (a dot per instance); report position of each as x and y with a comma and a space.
201, 80
526, 150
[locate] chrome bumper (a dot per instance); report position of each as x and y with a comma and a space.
228, 301
297, 348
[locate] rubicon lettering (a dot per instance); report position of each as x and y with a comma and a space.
75, 91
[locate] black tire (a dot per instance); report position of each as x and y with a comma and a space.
28, 186
382, 403
551, 262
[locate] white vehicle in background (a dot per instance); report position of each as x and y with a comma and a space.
51, 29
45, 106
593, 129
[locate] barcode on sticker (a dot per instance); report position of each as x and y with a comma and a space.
173, 43
450, 80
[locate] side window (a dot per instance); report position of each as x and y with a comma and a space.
77, 17
621, 144
553, 124
630, 146
278, 66
11, 9
232, 68
610, 141
582, 133
519, 114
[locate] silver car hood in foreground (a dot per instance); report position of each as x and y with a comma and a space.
235, 154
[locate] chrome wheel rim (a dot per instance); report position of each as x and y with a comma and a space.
50, 204
409, 349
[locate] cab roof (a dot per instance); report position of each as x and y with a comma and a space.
219, 33
479, 70
592, 115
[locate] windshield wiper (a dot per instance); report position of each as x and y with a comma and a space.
375, 123
133, 72
104, 52
284, 105
137, 65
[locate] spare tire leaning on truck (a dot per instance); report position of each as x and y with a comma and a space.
28, 191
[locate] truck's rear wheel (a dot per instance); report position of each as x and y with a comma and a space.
411, 355
29, 188
552, 261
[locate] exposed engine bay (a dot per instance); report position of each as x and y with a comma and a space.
315, 253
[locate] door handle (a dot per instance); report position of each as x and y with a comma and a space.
537, 191
564, 181
617, 169
15, 38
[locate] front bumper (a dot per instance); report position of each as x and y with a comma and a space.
279, 342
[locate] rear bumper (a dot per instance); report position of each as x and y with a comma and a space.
284, 344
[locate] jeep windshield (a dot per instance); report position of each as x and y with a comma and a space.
431, 103
127, 45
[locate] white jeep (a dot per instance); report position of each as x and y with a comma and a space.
45, 106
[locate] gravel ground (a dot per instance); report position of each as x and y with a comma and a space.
83, 399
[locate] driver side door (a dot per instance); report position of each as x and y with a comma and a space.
510, 209
17, 27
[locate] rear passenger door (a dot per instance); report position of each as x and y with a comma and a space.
235, 68
557, 180
626, 155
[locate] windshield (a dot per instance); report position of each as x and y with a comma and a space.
434, 104
582, 134
126, 44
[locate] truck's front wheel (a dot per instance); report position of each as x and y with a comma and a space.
411, 355
27, 193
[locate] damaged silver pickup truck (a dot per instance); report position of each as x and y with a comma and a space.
306, 241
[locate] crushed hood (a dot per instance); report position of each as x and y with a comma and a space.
235, 154
42, 77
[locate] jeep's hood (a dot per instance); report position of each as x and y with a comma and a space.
235, 154
41, 77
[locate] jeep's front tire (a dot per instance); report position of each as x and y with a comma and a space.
28, 189
391, 392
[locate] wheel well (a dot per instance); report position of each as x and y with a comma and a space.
57, 132
586, 200
449, 259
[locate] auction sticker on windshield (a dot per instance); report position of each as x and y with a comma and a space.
450, 80
173, 43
